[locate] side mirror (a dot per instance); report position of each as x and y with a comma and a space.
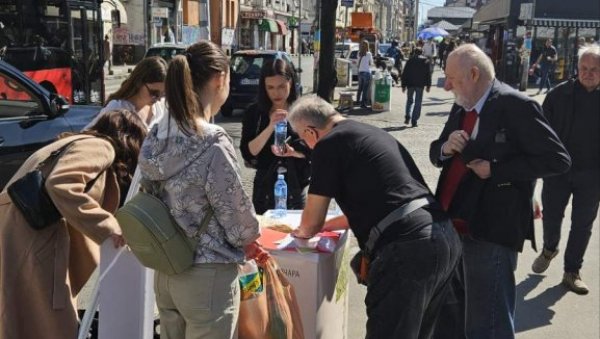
58, 104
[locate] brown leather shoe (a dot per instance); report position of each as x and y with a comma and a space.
541, 263
572, 281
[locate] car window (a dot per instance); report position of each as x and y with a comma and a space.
165, 53
15, 99
353, 55
248, 66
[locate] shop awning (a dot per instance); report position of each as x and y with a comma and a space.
549, 22
282, 27
268, 25
492, 12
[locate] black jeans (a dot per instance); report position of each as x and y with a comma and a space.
585, 188
408, 282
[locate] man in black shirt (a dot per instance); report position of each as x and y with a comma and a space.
573, 111
372, 177
546, 61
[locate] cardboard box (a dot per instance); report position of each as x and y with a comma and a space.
320, 283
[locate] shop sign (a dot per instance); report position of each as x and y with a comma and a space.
292, 22
526, 12
227, 37
347, 3
253, 14
122, 36
160, 12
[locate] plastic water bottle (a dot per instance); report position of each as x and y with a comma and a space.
281, 135
250, 280
280, 197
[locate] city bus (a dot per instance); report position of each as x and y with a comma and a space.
57, 43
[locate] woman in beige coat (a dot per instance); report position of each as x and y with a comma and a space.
42, 271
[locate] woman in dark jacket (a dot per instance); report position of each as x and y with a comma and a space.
277, 91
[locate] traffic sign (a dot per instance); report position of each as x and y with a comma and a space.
348, 3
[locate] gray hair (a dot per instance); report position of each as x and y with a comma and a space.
311, 109
591, 49
470, 55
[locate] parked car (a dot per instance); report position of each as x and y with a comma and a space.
32, 117
245, 74
166, 50
342, 50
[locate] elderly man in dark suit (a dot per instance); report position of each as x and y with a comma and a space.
494, 146
573, 110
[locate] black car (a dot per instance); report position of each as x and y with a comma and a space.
32, 117
245, 73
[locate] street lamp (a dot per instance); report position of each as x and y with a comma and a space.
298, 5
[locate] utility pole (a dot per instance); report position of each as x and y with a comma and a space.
416, 23
299, 68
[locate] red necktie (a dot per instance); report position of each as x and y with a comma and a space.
456, 172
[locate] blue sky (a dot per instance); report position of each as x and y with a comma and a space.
425, 5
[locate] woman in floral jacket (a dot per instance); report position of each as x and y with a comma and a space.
197, 163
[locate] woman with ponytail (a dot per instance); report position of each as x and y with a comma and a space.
196, 163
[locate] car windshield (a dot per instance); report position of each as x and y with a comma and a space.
166, 53
383, 48
248, 66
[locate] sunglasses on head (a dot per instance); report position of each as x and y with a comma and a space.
154, 93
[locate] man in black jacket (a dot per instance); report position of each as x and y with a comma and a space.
573, 111
416, 76
494, 146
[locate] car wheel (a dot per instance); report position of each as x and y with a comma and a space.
226, 110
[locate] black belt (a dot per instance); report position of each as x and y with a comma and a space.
394, 216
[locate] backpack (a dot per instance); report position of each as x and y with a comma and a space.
154, 236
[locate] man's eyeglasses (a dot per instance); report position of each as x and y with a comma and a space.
154, 93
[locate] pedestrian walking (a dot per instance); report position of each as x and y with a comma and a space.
43, 270
547, 62
276, 92
430, 52
442, 51
396, 54
196, 163
391, 211
416, 77
572, 109
365, 60
107, 53
495, 144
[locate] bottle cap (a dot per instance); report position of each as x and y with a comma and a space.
279, 176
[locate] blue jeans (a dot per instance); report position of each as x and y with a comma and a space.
417, 93
585, 188
489, 289
547, 70
408, 282
364, 81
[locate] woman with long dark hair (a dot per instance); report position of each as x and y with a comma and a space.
142, 92
43, 270
276, 92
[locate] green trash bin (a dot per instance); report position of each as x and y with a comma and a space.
382, 92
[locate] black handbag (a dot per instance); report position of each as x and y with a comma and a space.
30, 197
